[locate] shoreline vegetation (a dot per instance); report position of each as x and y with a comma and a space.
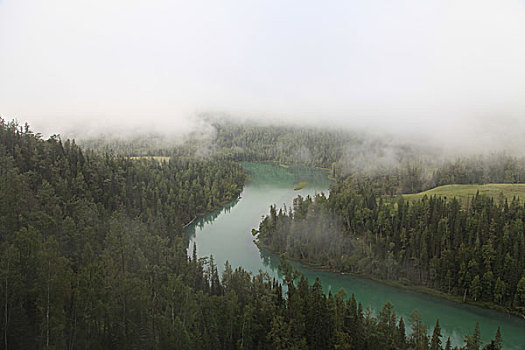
472, 255
444, 191
220, 207
396, 284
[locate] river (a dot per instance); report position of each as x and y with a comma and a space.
226, 234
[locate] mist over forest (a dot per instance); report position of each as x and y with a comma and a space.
443, 73
125, 125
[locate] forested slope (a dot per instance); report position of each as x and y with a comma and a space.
239, 142
87, 240
91, 257
285, 144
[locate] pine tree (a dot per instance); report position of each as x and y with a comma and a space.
498, 343
435, 343
473, 342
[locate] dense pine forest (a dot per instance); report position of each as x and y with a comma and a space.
92, 256
262, 175
238, 142
477, 253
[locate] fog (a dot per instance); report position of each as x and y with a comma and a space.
450, 73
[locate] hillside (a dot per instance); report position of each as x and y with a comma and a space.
464, 192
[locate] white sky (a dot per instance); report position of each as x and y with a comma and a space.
457, 67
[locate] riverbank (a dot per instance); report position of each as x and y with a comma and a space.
227, 236
397, 284
221, 206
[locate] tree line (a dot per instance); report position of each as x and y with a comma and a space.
238, 142
399, 167
412, 176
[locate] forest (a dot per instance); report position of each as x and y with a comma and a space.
396, 166
92, 256
477, 253
262, 175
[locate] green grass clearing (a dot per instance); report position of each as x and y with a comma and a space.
465, 192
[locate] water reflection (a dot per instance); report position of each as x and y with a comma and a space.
270, 260
191, 229
276, 176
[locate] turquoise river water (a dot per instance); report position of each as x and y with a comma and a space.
226, 234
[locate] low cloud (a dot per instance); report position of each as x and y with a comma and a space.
446, 73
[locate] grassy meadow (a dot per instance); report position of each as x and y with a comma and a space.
466, 192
